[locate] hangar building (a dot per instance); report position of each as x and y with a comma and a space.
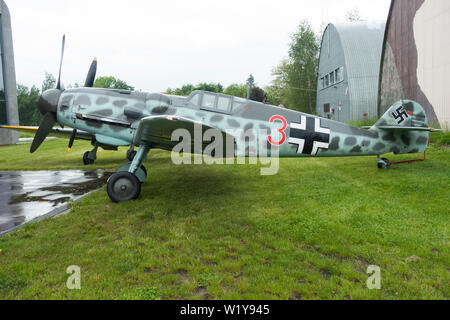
416, 61
9, 113
349, 68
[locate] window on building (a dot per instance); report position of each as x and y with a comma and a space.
327, 81
339, 74
332, 78
209, 101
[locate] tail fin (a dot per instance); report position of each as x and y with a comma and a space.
406, 125
404, 114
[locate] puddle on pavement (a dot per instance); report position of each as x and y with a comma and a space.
26, 195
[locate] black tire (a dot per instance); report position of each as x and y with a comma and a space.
86, 160
384, 164
131, 155
123, 186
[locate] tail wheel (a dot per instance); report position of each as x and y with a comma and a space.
384, 164
123, 186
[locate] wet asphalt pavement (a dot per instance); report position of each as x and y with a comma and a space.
27, 195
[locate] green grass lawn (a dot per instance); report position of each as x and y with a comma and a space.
226, 232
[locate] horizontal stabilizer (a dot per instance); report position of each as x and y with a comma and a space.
398, 128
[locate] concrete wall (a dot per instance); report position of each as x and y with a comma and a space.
416, 63
8, 136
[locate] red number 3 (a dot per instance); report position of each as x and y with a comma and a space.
281, 131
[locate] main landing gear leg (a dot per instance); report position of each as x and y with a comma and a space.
383, 163
125, 185
131, 153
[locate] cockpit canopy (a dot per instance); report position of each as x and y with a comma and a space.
215, 102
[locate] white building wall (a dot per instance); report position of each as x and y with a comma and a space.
432, 36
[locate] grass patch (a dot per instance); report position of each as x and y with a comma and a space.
441, 139
363, 123
225, 232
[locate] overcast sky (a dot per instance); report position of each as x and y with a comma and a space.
155, 44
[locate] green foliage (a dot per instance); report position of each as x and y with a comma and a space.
295, 80
186, 90
27, 100
149, 294
9, 283
274, 95
112, 83
258, 94
237, 90
363, 123
441, 138
49, 82
251, 81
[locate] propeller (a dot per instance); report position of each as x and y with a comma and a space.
47, 105
44, 129
90, 79
58, 86
89, 83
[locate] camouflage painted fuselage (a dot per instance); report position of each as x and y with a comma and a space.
113, 117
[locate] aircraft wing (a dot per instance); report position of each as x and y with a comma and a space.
56, 132
158, 129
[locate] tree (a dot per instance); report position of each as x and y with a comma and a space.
295, 81
112, 83
250, 85
237, 90
353, 15
258, 94
186, 90
27, 99
49, 82
211, 87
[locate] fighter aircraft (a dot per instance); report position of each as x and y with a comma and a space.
116, 118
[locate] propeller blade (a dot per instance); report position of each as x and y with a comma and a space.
58, 86
44, 129
90, 79
72, 139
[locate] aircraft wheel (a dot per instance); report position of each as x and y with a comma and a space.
86, 159
131, 155
123, 186
384, 164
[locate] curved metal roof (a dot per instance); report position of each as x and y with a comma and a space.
362, 43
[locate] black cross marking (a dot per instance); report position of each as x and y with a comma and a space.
400, 115
310, 137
